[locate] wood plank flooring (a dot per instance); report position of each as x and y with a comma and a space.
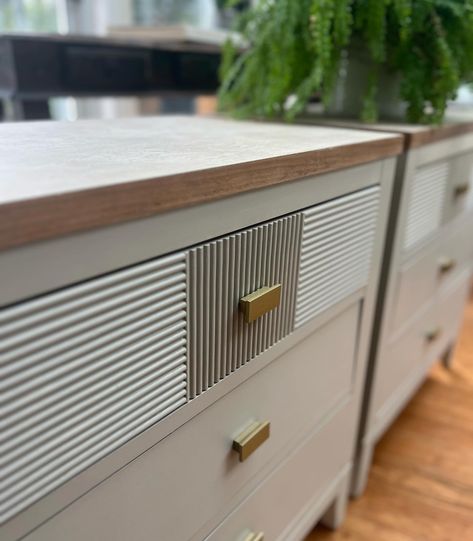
421, 482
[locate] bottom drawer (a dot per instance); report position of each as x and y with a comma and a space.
295, 496
424, 341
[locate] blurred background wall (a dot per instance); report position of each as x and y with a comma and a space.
98, 17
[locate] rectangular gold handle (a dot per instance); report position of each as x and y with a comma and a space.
461, 189
446, 265
254, 537
250, 439
260, 302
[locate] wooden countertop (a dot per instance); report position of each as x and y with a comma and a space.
58, 178
415, 135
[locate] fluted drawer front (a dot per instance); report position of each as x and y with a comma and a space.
221, 273
426, 203
86, 368
337, 244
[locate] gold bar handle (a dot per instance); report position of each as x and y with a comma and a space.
446, 265
432, 335
461, 189
254, 537
260, 302
250, 439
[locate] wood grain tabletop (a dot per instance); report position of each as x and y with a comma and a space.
456, 123
57, 178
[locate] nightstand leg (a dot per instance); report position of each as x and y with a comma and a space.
447, 357
361, 470
335, 514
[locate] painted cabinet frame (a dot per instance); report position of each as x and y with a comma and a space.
374, 423
28, 272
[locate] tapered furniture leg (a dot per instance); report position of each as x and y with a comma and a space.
447, 357
361, 471
335, 514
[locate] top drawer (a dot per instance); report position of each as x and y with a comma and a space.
88, 367
438, 192
85, 369
426, 201
333, 241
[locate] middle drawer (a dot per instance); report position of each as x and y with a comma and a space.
432, 269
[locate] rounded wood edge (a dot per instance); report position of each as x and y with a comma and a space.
437, 133
39, 219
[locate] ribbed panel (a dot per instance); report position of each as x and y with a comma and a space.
337, 244
223, 271
424, 214
85, 369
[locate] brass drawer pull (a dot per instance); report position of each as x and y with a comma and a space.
250, 439
432, 335
260, 302
254, 537
461, 189
446, 265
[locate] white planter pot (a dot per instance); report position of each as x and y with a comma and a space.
352, 85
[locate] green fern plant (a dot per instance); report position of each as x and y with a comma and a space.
295, 48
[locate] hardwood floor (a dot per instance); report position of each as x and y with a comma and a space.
421, 482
